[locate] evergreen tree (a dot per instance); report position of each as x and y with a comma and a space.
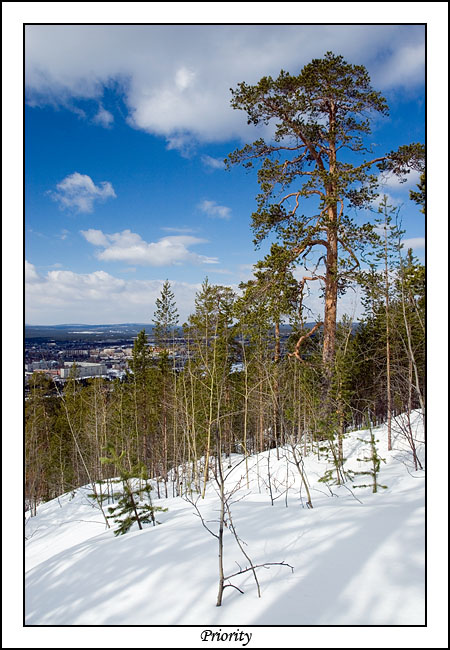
419, 196
385, 257
318, 115
277, 287
140, 363
145, 392
267, 300
375, 461
209, 336
134, 504
165, 321
47, 456
411, 323
165, 317
254, 334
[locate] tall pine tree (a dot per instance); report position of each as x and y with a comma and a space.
320, 125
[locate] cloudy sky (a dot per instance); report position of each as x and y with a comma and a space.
126, 129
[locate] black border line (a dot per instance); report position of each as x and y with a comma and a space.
425, 25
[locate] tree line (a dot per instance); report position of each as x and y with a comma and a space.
238, 390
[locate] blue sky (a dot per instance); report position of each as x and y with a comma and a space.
126, 128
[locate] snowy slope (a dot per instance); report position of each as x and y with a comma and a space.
358, 557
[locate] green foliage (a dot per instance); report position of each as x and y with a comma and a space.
419, 196
141, 358
375, 461
316, 113
165, 316
211, 352
134, 504
406, 158
315, 168
394, 301
48, 445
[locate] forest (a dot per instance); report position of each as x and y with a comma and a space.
238, 389
238, 392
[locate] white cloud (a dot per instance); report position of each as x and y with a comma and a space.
30, 272
212, 163
79, 191
184, 78
103, 117
392, 201
95, 237
416, 243
129, 247
246, 272
65, 296
180, 231
405, 66
392, 181
215, 211
183, 142
175, 79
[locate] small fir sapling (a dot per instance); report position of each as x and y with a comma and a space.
134, 503
376, 460
335, 475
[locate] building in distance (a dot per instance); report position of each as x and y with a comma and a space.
83, 369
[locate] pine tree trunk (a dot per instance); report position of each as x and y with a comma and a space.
331, 276
330, 315
133, 505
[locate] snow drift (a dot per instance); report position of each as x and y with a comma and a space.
358, 557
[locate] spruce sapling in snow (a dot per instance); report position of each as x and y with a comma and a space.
375, 459
336, 475
134, 503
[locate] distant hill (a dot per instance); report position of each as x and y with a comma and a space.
81, 331
106, 332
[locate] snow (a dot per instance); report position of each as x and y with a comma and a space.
358, 557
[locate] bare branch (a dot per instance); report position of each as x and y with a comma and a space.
230, 585
258, 566
309, 244
349, 250
199, 514
303, 338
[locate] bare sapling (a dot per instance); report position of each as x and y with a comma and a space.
297, 460
276, 487
227, 497
403, 425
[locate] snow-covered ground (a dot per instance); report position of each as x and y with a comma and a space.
358, 557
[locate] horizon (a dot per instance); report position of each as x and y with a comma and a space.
282, 324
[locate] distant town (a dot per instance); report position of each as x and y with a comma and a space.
87, 351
